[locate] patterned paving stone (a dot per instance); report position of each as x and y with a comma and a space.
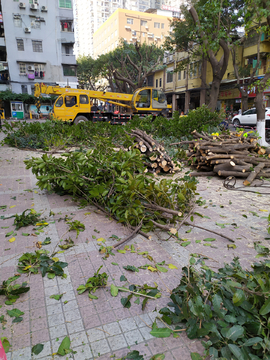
103, 328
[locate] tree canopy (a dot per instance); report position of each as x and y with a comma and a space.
126, 68
206, 28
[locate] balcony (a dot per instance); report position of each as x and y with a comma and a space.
68, 59
67, 37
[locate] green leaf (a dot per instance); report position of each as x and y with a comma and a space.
238, 297
123, 278
131, 268
158, 357
56, 297
64, 347
9, 233
15, 313
186, 243
265, 309
6, 344
160, 332
253, 341
114, 263
236, 351
196, 356
209, 239
137, 301
25, 234
114, 290
235, 332
161, 269
37, 349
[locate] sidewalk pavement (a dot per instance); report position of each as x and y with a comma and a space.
99, 329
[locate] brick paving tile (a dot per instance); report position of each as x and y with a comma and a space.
101, 328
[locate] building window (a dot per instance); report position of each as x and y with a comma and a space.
66, 25
32, 89
20, 44
156, 25
17, 22
22, 68
184, 74
169, 76
37, 46
179, 75
143, 23
156, 83
33, 2
129, 21
69, 70
65, 4
162, 25
24, 89
160, 82
134, 32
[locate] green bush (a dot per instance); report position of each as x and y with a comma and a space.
200, 119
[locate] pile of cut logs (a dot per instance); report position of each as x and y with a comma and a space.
228, 155
154, 153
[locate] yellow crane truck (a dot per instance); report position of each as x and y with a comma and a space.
77, 105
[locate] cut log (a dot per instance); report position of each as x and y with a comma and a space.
253, 174
200, 136
166, 168
233, 173
143, 148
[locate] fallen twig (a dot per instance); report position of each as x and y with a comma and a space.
131, 236
212, 231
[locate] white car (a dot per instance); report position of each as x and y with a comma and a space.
249, 117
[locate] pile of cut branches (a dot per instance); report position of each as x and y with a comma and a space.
228, 309
156, 158
116, 183
228, 154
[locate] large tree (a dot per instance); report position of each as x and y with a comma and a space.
206, 28
126, 68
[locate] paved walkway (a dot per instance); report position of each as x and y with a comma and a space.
99, 329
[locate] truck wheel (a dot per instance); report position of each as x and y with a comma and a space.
80, 119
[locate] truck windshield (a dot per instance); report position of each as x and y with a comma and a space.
59, 102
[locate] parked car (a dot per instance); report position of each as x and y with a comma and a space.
249, 117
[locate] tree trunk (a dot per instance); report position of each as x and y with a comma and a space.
260, 116
214, 93
244, 101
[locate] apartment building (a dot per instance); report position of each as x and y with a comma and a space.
188, 88
37, 43
132, 26
91, 14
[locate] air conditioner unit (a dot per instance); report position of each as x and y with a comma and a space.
27, 30
44, 8
146, 26
22, 5
30, 68
128, 27
33, 6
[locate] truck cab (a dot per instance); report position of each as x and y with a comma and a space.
69, 105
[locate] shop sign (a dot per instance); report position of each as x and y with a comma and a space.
170, 8
229, 94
